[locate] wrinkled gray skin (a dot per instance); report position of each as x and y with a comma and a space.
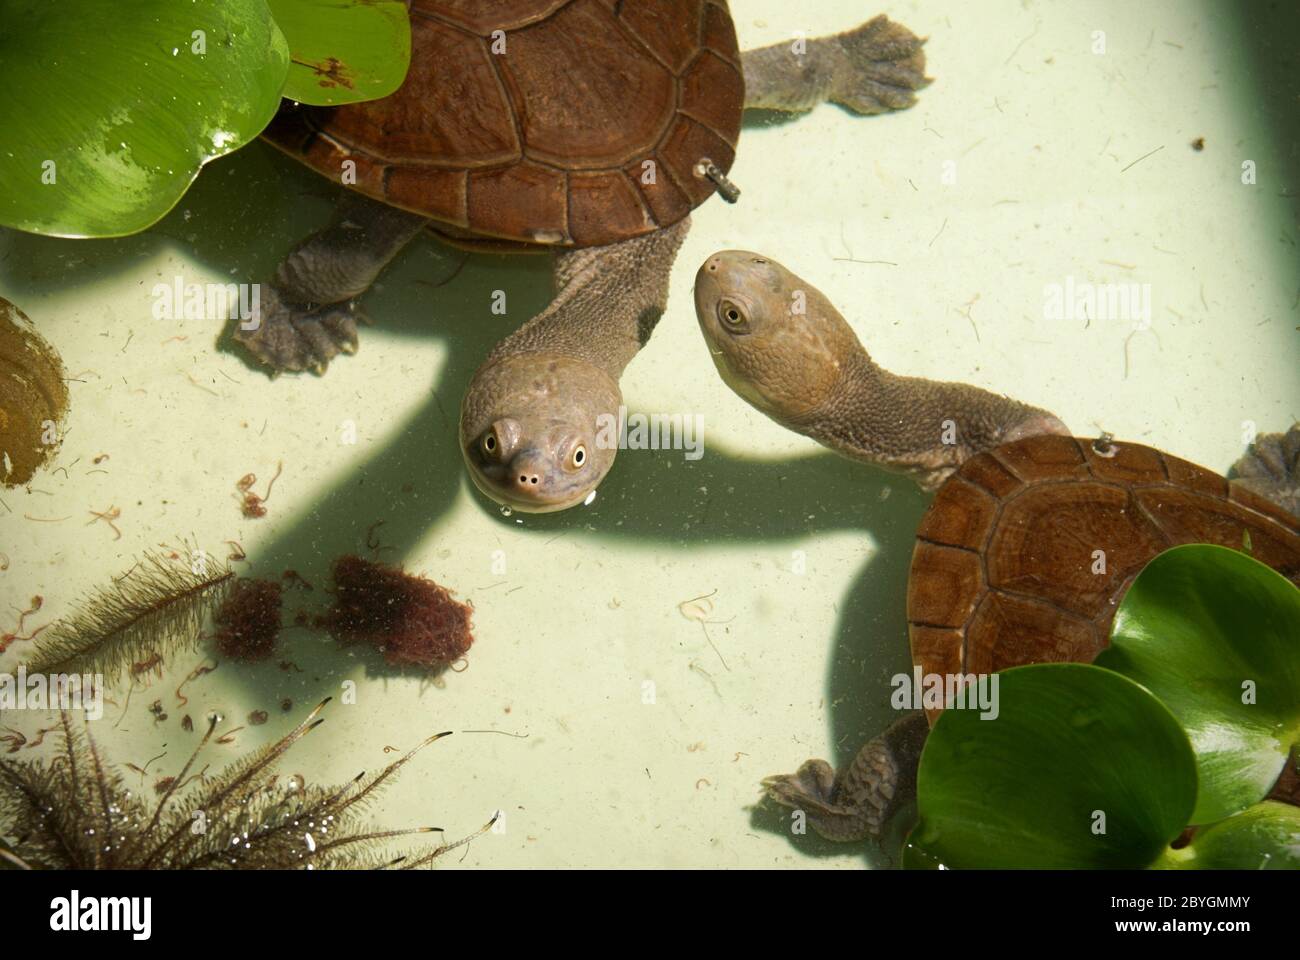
529, 418
781, 345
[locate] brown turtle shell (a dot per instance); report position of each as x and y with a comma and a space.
563, 122
1003, 568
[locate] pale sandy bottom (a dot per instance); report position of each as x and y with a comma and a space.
935, 230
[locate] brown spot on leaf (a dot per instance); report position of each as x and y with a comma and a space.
333, 72
33, 398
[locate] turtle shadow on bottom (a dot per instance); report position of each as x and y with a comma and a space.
412, 480
234, 225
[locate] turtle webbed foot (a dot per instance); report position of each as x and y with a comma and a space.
875, 68
808, 791
287, 336
861, 801
1271, 468
881, 67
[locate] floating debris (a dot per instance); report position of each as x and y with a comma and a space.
248, 622
33, 398
410, 619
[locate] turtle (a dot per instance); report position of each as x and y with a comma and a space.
1003, 571
587, 128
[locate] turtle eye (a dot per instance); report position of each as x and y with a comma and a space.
500, 440
732, 314
578, 458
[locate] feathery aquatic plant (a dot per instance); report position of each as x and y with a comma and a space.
75, 812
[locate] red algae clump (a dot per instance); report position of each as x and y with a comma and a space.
248, 623
410, 619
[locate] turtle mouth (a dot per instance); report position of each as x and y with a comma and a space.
505, 493
530, 483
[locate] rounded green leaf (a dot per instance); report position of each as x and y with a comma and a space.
344, 51
1216, 636
1263, 837
109, 109
1081, 768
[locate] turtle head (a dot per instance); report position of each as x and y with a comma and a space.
539, 432
775, 340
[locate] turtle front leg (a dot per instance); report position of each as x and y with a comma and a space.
874, 69
308, 314
858, 803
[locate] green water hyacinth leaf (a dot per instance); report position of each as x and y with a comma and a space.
344, 51
1215, 635
108, 110
1081, 768
1264, 837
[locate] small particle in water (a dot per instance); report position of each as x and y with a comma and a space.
1198, 144
257, 718
506, 511
697, 608
286, 704
253, 506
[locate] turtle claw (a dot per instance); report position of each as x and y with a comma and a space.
288, 336
882, 68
